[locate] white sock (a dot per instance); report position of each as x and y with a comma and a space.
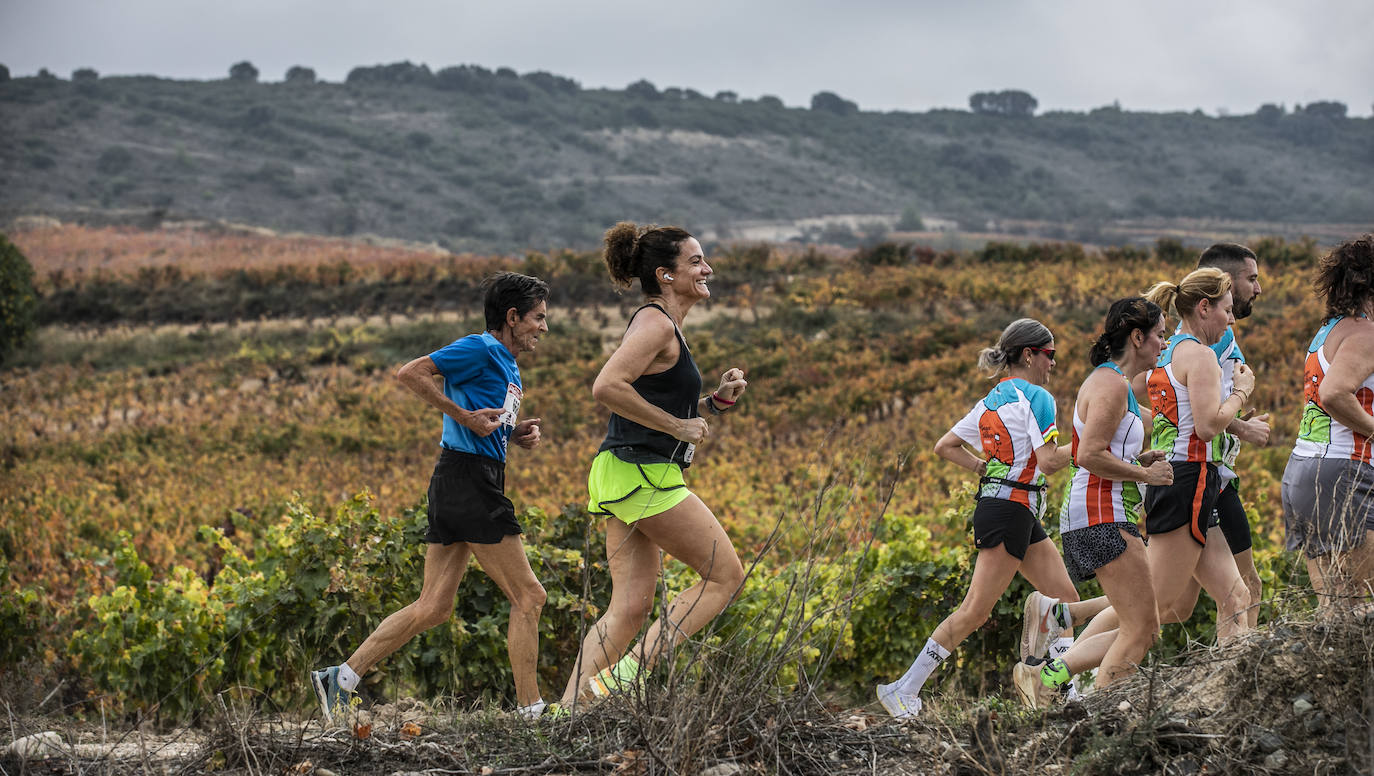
348, 679
532, 711
1059, 646
925, 664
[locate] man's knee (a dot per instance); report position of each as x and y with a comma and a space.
530, 599
429, 614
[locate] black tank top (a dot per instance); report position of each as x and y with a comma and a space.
676, 391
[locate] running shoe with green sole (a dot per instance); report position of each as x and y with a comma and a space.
615, 679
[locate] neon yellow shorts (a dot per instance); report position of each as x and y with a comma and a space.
633, 491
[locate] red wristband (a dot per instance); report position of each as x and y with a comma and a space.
716, 398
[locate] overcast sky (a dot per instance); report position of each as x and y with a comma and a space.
1155, 55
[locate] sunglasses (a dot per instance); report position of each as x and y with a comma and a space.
1047, 351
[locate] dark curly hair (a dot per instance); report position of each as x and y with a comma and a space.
1123, 317
634, 253
1345, 277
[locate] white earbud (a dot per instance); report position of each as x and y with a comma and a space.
667, 277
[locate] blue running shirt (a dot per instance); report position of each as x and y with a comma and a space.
479, 373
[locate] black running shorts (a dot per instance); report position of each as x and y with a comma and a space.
998, 521
1235, 526
1189, 501
467, 500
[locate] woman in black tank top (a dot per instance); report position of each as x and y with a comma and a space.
653, 388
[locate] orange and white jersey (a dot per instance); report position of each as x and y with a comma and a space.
1014, 420
1175, 430
1319, 434
1093, 500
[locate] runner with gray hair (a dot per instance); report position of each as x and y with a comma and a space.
475, 382
1013, 429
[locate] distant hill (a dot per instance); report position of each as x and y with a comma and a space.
474, 159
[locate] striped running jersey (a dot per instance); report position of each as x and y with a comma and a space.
1174, 429
1226, 446
1094, 500
1014, 420
1319, 434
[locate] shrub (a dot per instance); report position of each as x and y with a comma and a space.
84, 74
244, 72
884, 254
300, 75
308, 591
394, 73
829, 102
4, 74
114, 160
19, 618
1009, 102
18, 300
643, 90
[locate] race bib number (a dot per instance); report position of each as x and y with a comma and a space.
511, 409
687, 456
1230, 450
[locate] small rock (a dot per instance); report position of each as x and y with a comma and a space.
323, 772
1123, 706
1276, 760
723, 769
1315, 724
1297, 647
1267, 741
1302, 706
950, 753
1184, 766
37, 746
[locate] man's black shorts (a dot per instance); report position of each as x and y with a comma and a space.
1235, 525
998, 521
1190, 501
467, 500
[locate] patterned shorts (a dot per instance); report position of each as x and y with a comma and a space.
1088, 549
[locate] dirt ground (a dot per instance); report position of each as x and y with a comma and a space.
1290, 698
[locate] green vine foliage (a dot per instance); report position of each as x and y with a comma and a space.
20, 615
305, 594
310, 588
18, 300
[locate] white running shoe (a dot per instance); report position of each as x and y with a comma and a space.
1033, 692
1038, 625
899, 705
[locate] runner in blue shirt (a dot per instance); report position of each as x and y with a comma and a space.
475, 383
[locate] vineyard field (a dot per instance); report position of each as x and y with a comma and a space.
199, 452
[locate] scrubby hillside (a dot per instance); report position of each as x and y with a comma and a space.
480, 160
